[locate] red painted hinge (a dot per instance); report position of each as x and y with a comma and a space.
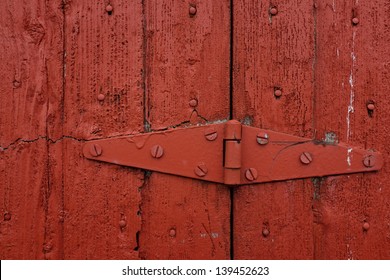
233, 154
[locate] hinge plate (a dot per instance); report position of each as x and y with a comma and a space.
233, 154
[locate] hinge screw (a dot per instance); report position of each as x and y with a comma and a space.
201, 170
262, 138
369, 161
157, 151
306, 158
211, 134
251, 174
95, 150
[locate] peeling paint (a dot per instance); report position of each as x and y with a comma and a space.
349, 156
352, 90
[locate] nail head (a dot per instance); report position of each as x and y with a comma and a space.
278, 93
122, 223
172, 233
192, 10
273, 11
193, 103
371, 106
101, 97
109, 8
366, 226
355, 20
265, 232
7, 216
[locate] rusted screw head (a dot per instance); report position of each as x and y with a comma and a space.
355, 21
7, 216
265, 232
371, 106
278, 93
95, 150
211, 134
262, 138
369, 161
193, 103
273, 11
122, 223
101, 97
109, 8
306, 158
192, 10
157, 151
201, 170
366, 226
251, 174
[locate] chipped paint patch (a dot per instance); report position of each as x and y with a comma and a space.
352, 90
349, 156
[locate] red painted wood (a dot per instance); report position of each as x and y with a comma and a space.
31, 88
187, 57
103, 97
352, 69
274, 53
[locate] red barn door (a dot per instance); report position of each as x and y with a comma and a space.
75, 71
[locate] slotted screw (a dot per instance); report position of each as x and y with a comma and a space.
211, 134
157, 151
201, 170
262, 138
369, 161
251, 174
306, 158
95, 150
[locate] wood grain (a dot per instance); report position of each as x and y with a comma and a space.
187, 57
31, 46
274, 52
352, 69
103, 57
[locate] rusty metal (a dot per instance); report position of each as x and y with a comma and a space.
236, 158
262, 138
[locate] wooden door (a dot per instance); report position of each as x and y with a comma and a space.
73, 71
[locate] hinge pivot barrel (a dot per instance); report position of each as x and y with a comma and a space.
232, 153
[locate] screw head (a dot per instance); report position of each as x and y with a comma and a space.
7, 216
265, 232
101, 97
371, 106
95, 150
193, 103
355, 21
306, 158
211, 134
192, 10
369, 161
262, 138
273, 11
157, 151
122, 223
109, 8
201, 170
366, 226
172, 232
278, 93
251, 174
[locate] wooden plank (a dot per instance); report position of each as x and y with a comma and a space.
273, 52
352, 69
187, 57
31, 44
103, 97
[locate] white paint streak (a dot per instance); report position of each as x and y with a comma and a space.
338, 53
349, 156
352, 90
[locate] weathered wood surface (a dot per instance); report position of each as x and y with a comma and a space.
73, 71
187, 58
31, 54
274, 52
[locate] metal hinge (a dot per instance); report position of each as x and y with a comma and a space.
233, 154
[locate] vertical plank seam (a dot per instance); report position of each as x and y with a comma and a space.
231, 73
